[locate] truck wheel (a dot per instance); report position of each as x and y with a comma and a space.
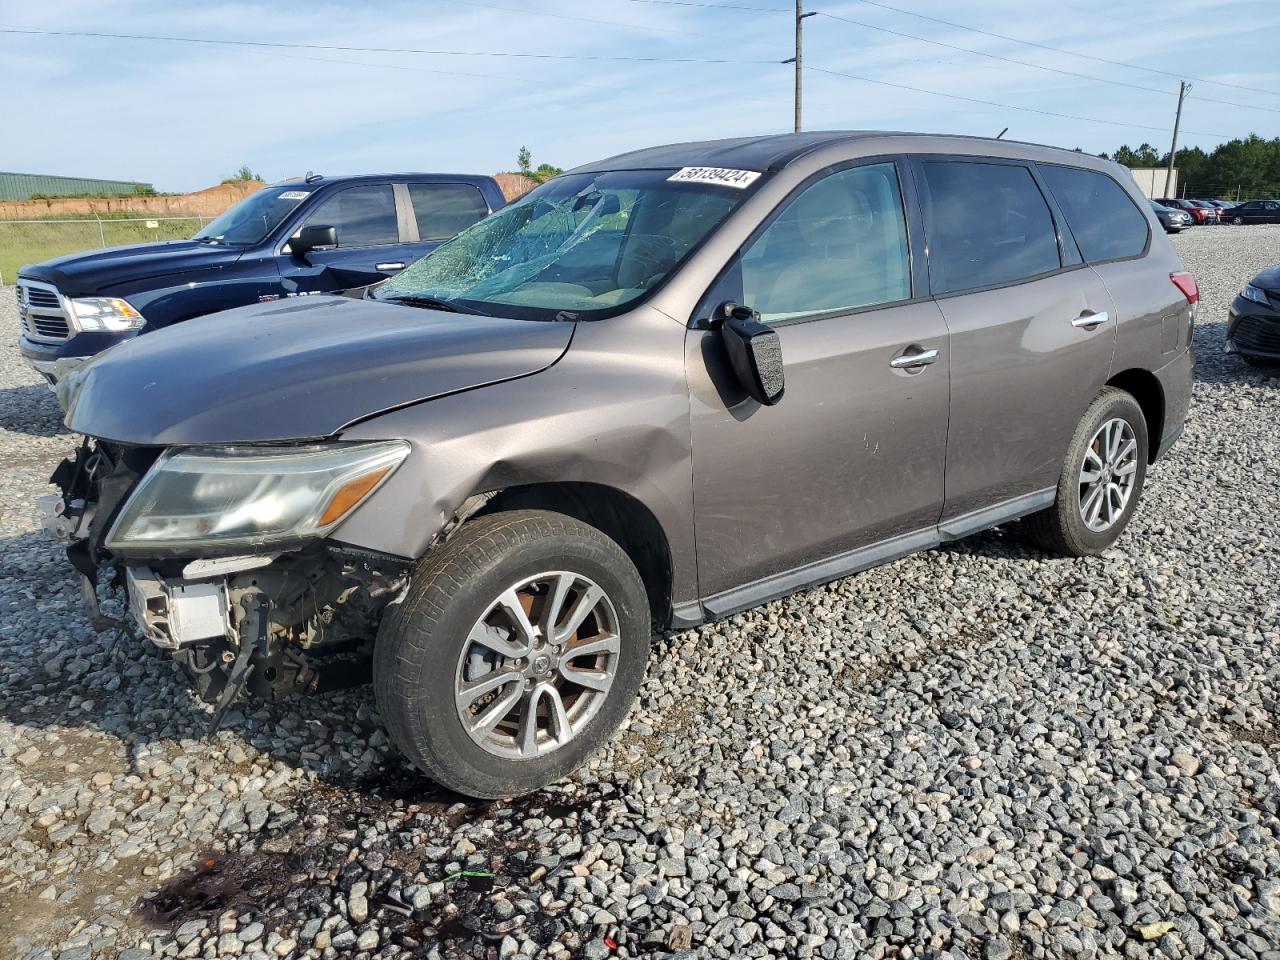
516, 653
1101, 479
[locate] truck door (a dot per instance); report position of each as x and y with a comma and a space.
369, 248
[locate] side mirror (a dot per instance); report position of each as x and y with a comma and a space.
312, 237
755, 352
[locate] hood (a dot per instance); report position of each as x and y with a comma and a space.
1268, 280
97, 271
296, 371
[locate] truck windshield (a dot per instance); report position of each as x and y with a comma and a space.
581, 247
250, 220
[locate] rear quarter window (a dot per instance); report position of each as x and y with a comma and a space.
989, 225
1103, 218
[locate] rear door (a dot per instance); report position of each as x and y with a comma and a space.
1032, 332
369, 246
438, 212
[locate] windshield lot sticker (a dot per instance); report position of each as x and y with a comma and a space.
738, 179
294, 195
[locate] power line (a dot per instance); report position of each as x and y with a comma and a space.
1006, 106
352, 49
1035, 66
713, 6
998, 36
1069, 53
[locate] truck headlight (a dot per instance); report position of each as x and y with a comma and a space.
1250, 292
246, 497
105, 313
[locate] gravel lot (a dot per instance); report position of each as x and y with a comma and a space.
974, 752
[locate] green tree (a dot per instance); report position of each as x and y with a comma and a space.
545, 172
524, 161
244, 173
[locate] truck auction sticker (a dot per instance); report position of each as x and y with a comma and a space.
738, 179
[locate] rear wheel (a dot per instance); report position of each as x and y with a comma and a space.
516, 654
1101, 480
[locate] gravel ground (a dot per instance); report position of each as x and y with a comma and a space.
973, 752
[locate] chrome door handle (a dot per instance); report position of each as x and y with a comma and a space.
1088, 321
906, 361
389, 266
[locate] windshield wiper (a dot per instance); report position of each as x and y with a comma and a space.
429, 303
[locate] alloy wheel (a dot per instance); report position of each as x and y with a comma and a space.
1108, 474
537, 665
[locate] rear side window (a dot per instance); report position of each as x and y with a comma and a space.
840, 245
989, 225
443, 209
364, 216
1102, 217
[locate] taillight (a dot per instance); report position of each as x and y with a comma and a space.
1185, 282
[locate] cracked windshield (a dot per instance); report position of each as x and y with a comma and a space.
582, 247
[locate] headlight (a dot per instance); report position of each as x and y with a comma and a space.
105, 313
1250, 292
245, 497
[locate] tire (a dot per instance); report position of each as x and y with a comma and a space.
1262, 363
1063, 528
1238, 221
429, 650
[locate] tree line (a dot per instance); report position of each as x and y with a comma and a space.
1247, 168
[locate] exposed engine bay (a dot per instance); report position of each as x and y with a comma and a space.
274, 623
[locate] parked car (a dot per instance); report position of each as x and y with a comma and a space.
1198, 213
1255, 211
657, 390
290, 239
1223, 206
1253, 320
1173, 221
1215, 215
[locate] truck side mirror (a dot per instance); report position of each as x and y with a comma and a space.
313, 237
755, 352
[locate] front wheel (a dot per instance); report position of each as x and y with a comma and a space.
515, 655
1101, 479
1238, 221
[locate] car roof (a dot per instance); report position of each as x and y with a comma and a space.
767, 153
317, 180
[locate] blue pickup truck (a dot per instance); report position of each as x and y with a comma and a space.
291, 239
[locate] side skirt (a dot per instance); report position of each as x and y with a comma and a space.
873, 555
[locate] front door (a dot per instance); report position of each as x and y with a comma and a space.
369, 247
1031, 339
853, 454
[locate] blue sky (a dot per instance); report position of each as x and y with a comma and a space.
183, 116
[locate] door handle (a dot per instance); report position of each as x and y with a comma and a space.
908, 361
398, 265
1089, 321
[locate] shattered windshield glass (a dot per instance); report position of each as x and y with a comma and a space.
581, 247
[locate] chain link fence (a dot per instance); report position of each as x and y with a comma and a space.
31, 241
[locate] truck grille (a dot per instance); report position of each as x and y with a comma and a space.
1255, 334
41, 311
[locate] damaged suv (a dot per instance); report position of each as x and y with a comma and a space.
499, 472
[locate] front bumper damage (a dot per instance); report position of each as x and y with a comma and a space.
274, 623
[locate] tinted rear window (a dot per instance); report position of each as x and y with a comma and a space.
443, 209
989, 225
1103, 219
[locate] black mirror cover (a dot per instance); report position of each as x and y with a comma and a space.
312, 237
755, 353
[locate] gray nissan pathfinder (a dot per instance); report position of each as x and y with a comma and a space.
658, 389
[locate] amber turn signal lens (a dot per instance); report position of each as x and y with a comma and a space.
349, 494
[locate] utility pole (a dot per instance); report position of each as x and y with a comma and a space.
798, 59
1183, 87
